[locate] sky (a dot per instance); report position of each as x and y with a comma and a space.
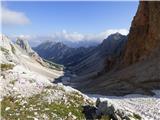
66, 21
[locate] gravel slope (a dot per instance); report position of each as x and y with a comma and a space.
32, 65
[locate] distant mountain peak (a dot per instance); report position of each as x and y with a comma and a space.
60, 44
115, 36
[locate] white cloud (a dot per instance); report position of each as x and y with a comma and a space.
27, 37
10, 17
77, 37
72, 37
66, 36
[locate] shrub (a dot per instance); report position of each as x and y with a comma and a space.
4, 49
6, 66
137, 116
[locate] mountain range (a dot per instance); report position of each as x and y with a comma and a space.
95, 60
60, 53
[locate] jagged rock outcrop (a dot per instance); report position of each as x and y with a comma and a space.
107, 111
23, 43
144, 35
7, 50
25, 47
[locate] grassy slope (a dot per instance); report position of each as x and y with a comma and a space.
37, 107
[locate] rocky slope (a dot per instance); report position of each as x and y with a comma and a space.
143, 106
25, 48
27, 91
61, 53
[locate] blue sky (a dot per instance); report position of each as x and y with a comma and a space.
46, 18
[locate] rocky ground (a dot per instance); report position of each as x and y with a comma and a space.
27, 91
145, 106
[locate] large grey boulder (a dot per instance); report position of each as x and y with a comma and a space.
104, 109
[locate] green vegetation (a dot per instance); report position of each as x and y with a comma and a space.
54, 65
136, 116
4, 49
15, 109
7, 51
13, 82
13, 49
36, 107
6, 66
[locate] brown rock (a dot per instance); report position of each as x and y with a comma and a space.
144, 35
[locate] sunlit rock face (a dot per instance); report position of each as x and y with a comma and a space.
144, 35
24, 45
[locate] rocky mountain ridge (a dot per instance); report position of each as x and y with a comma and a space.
61, 53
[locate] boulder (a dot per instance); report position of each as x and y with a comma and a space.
89, 112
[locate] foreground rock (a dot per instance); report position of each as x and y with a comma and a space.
105, 110
135, 105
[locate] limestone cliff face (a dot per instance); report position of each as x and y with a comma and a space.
144, 35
